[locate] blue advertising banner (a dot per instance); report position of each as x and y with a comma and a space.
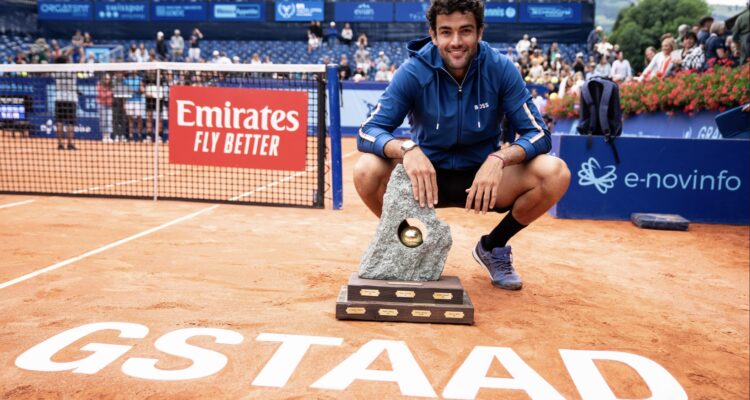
174, 11
121, 11
550, 13
658, 125
412, 12
65, 10
500, 12
702, 180
299, 10
363, 12
239, 11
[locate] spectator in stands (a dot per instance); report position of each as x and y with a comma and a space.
55, 51
347, 35
255, 59
332, 34
553, 53
533, 46
359, 74
588, 72
133, 53
741, 34
316, 29
682, 30
194, 53
91, 59
267, 59
523, 44
135, 106
161, 47
691, 55
536, 72
715, 48
648, 55
214, 57
621, 71
360, 56
593, 39
39, 52
382, 60
223, 58
578, 64
104, 104
66, 104
391, 72
313, 42
703, 34
236, 60
662, 64
382, 74
537, 56
325, 60
539, 101
77, 42
603, 48
143, 53
87, 40
177, 44
603, 69
345, 71
511, 54
362, 40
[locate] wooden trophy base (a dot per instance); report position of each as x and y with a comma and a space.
443, 301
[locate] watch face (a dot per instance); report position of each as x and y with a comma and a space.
408, 145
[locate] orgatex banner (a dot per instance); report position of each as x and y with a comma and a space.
245, 128
703, 180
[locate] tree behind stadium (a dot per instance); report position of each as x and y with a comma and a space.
642, 24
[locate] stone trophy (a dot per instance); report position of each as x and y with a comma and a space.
399, 278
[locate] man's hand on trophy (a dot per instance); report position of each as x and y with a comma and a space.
423, 178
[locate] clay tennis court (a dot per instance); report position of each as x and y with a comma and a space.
261, 274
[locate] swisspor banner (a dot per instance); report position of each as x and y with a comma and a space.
245, 128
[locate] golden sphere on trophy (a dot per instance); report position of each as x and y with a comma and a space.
411, 236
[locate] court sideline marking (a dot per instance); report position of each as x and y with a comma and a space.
103, 248
136, 236
18, 203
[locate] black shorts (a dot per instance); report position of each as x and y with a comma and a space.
150, 104
452, 185
65, 112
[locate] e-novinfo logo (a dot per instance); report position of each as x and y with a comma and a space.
603, 178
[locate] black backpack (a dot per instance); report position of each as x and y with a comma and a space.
601, 113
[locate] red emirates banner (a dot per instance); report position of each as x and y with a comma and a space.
246, 128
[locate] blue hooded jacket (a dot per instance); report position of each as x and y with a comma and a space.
457, 125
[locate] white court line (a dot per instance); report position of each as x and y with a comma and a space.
20, 203
268, 185
103, 248
349, 154
130, 182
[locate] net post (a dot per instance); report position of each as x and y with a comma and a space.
335, 134
155, 132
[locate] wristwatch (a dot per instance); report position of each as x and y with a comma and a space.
406, 146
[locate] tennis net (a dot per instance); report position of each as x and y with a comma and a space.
253, 134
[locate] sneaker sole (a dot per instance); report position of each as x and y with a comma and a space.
495, 284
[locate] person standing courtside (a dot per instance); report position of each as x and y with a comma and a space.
66, 104
455, 89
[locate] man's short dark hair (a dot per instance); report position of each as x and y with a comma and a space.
704, 20
691, 35
447, 7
